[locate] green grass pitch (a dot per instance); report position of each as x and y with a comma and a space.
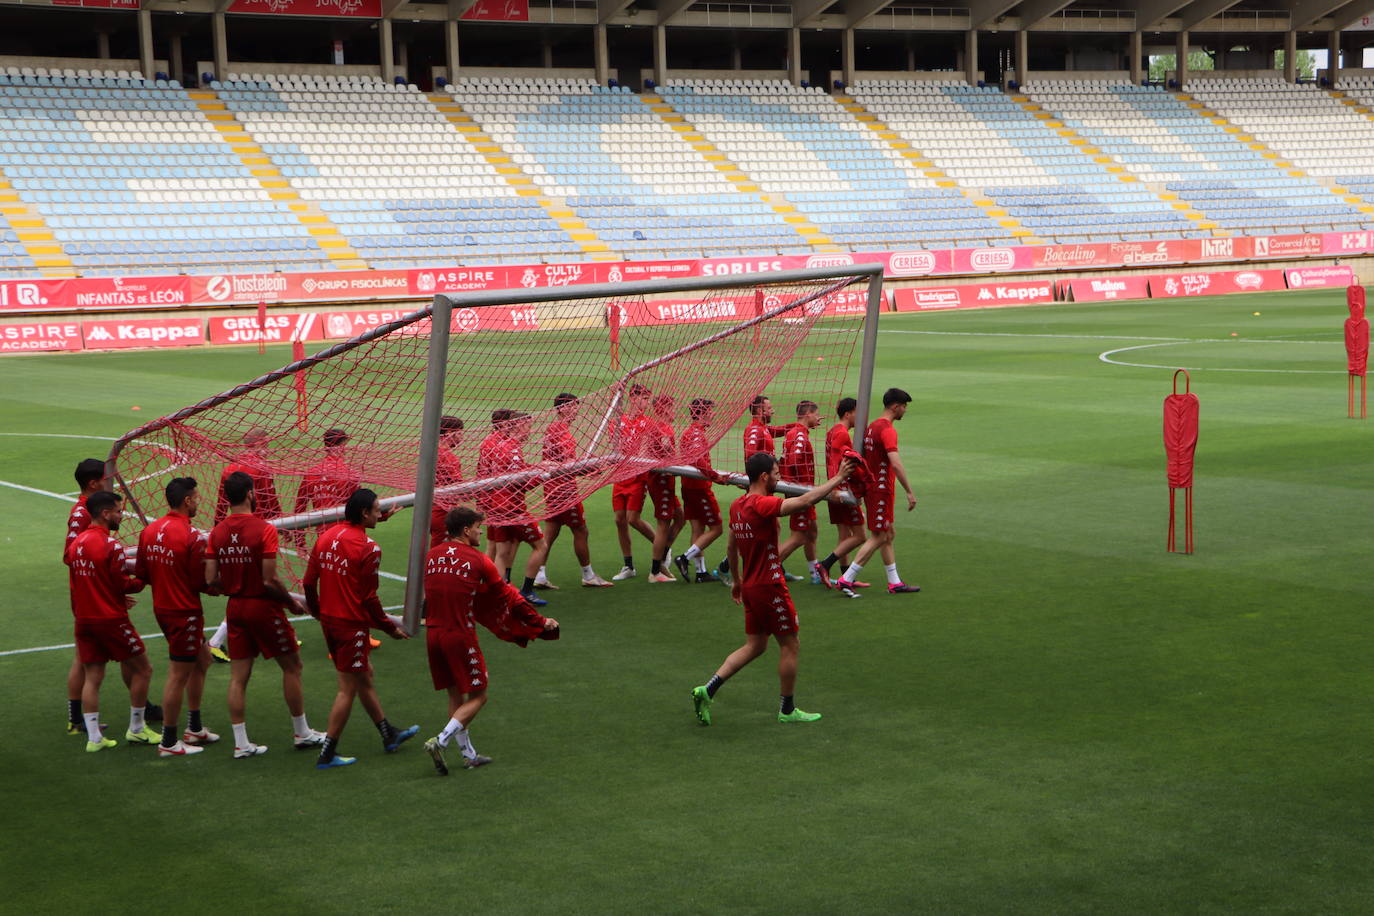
1066, 719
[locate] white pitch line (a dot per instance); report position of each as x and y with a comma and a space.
72, 645
1105, 356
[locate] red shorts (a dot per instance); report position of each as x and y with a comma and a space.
840, 514
663, 492
804, 520
628, 495
573, 517
768, 609
498, 534
258, 626
701, 506
349, 644
880, 505
107, 641
455, 659
185, 631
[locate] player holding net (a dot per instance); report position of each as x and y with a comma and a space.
386, 390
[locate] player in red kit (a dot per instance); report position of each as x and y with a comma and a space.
560, 494
848, 520
447, 472
885, 469
502, 453
171, 559
100, 590
759, 433
759, 584
251, 462
798, 465
661, 445
329, 483
698, 499
90, 478
462, 587
627, 496
341, 592
242, 563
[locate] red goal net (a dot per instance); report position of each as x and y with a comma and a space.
351, 415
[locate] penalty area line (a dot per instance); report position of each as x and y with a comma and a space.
72, 645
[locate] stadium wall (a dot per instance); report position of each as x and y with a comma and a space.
81, 63
147, 329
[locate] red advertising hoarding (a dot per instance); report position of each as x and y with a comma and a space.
40, 336
1098, 289
974, 295
499, 11
1171, 286
129, 333
1319, 277
277, 327
362, 9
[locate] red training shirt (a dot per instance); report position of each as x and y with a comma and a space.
171, 559
455, 575
78, 520
880, 439
560, 447
798, 456
239, 544
95, 562
447, 472
266, 503
344, 566
696, 452
497, 455
327, 484
754, 526
758, 437
837, 442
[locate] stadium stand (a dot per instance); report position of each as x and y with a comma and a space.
1310, 129
132, 179
983, 139
642, 188
124, 175
801, 144
391, 173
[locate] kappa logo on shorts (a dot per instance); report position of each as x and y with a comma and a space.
358, 663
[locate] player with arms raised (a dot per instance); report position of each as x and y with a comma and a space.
242, 563
560, 494
848, 520
699, 504
100, 590
884, 466
341, 592
759, 584
171, 559
461, 585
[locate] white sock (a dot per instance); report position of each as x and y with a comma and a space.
220, 635
542, 574
136, 719
701, 562
452, 728
240, 734
852, 572
588, 574
92, 727
300, 726
692, 552
892, 577
465, 742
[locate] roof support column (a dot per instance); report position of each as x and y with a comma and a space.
384, 46
971, 57
602, 51
1333, 57
1136, 50
1290, 56
145, 42
847, 56
1021, 55
221, 40
660, 54
451, 48
794, 67
1181, 58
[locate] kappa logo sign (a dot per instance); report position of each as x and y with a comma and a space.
153, 332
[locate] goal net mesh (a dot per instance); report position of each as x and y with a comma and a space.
790, 341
